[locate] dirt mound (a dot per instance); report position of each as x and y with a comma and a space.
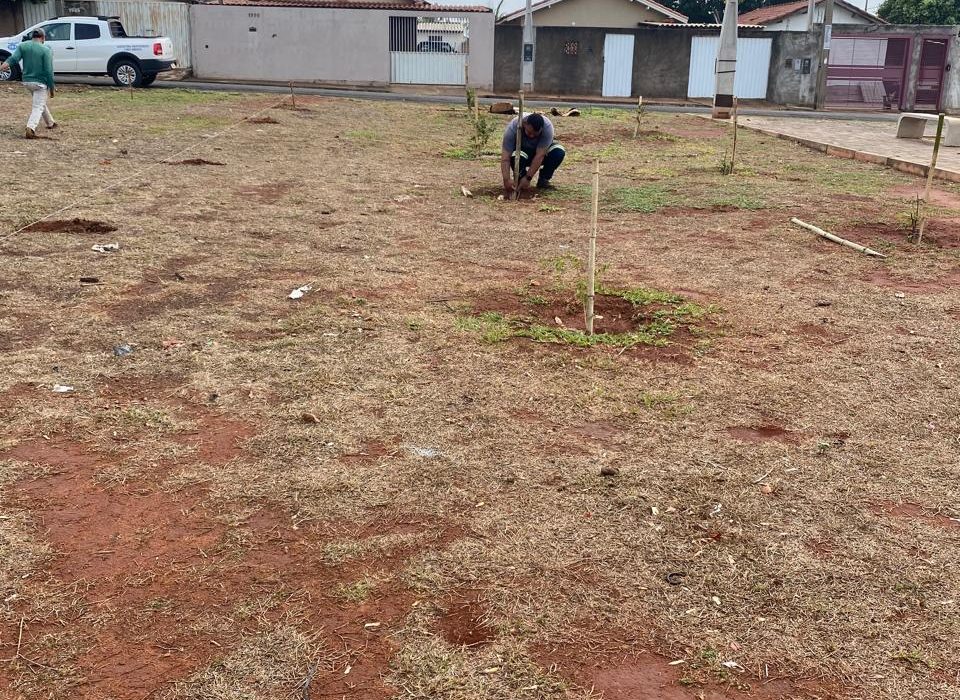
461, 623
71, 226
197, 161
262, 120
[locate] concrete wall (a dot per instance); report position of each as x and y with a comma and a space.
507, 52
787, 85
596, 13
304, 44
798, 21
950, 101
661, 60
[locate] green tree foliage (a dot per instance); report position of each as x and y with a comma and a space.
710, 10
920, 11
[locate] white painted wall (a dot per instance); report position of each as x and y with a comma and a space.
798, 21
336, 46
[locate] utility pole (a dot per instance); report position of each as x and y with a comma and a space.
726, 65
811, 14
526, 71
824, 53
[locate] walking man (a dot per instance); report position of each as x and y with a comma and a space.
539, 152
37, 78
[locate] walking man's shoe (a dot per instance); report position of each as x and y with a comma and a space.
54, 125
31, 134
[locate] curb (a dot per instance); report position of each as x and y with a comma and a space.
905, 166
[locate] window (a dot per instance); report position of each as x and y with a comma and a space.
116, 30
86, 31
571, 48
57, 32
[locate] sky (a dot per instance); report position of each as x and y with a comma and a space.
511, 5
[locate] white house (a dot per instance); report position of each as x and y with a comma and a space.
792, 16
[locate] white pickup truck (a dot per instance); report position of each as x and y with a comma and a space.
97, 46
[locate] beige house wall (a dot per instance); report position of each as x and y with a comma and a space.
595, 13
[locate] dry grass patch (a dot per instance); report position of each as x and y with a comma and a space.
231, 505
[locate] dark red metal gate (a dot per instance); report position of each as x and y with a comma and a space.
867, 72
933, 59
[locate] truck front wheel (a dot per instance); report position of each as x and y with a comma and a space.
127, 73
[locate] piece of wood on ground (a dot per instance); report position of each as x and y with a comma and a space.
836, 239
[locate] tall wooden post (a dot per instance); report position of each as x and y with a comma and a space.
516, 159
592, 252
933, 167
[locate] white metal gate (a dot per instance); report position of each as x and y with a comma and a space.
753, 67
429, 50
617, 65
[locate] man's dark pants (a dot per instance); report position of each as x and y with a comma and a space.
551, 161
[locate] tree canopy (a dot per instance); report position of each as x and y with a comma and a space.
920, 11
710, 10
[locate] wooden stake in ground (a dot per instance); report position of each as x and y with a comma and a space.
592, 251
636, 129
733, 153
293, 96
516, 159
836, 239
933, 166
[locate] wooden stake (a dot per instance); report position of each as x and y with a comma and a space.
293, 96
592, 252
516, 160
933, 166
836, 239
636, 129
733, 154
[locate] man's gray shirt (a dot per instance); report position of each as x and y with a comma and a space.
530, 146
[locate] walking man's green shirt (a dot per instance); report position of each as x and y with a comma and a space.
37, 62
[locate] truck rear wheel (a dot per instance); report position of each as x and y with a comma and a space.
11, 72
126, 73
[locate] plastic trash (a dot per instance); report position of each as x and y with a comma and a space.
62, 389
300, 291
106, 247
122, 350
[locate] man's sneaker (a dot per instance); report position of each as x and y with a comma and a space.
31, 134
54, 125
544, 184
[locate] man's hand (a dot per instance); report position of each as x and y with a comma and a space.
3, 66
524, 183
52, 92
508, 187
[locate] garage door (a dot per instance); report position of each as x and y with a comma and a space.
753, 67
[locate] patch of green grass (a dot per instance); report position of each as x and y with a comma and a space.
641, 296
355, 592
605, 113
740, 201
645, 199
363, 135
459, 153
189, 121
548, 209
494, 327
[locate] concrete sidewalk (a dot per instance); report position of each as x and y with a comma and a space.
869, 141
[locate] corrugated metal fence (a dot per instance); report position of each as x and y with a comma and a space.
142, 17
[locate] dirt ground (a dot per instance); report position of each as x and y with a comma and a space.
418, 480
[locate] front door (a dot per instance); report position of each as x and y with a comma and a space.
60, 40
617, 65
933, 58
92, 54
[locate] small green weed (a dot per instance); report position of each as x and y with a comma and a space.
363, 135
